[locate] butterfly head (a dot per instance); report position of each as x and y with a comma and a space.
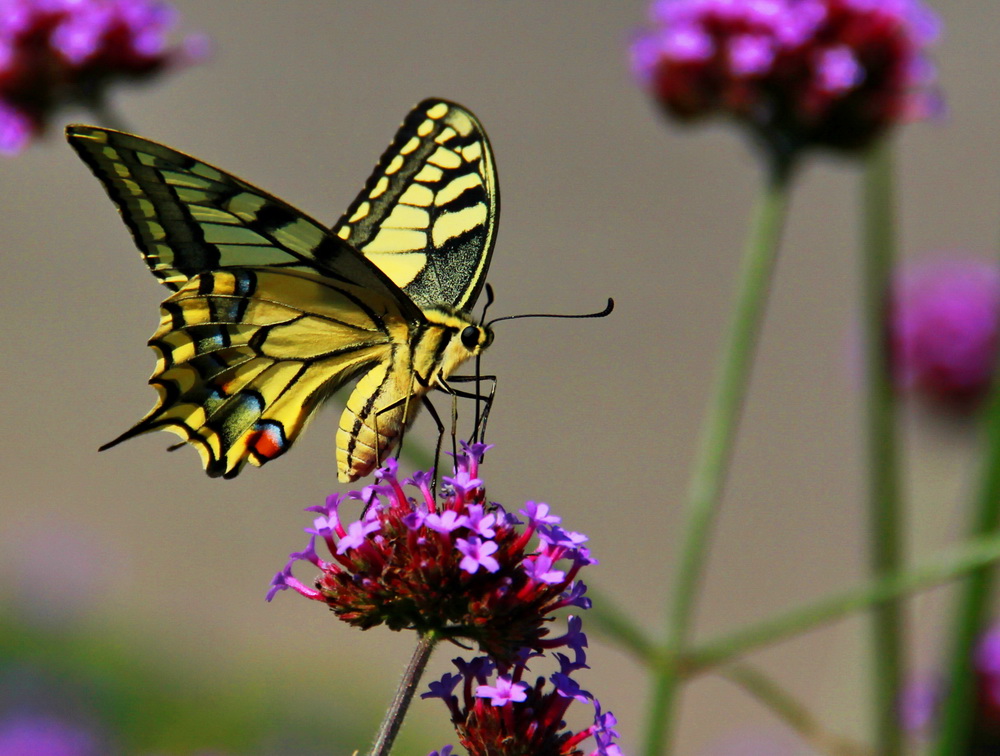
452, 339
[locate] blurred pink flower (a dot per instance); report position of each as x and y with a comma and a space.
40, 735
943, 328
797, 73
59, 52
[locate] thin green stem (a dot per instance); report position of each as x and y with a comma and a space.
716, 445
792, 713
396, 712
954, 563
971, 614
884, 505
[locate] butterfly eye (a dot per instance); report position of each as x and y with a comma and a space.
470, 337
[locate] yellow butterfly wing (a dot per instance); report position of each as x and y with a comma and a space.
428, 214
247, 355
272, 313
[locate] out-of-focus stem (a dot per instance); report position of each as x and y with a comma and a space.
974, 598
396, 712
885, 520
716, 445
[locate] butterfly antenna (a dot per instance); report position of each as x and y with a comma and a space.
489, 301
602, 314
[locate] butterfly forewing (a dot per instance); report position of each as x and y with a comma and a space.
272, 312
427, 216
188, 217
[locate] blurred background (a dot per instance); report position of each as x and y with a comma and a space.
134, 560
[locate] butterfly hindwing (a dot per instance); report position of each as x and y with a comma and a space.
246, 356
428, 214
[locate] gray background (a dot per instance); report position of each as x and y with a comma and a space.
599, 418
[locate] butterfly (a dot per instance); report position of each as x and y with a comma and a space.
271, 312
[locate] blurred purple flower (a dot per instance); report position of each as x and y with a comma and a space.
56, 575
59, 52
944, 328
797, 73
918, 705
922, 698
987, 665
39, 735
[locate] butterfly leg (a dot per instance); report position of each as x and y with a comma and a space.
442, 385
445, 386
479, 432
404, 402
437, 447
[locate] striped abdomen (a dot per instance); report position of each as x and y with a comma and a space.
389, 396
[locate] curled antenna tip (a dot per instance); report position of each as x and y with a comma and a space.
603, 313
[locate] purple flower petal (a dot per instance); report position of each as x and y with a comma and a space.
504, 692
445, 522
477, 554
539, 568
15, 130
538, 514
357, 532
750, 55
479, 522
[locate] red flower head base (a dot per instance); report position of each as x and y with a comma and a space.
459, 568
796, 73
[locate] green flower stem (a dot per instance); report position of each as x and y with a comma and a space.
974, 600
791, 712
954, 563
884, 506
971, 556
396, 712
716, 445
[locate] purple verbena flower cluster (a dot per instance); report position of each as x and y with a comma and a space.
459, 568
497, 713
57, 52
797, 73
944, 329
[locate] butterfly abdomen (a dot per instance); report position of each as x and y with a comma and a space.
389, 396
